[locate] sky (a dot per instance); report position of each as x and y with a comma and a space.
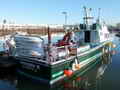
50, 11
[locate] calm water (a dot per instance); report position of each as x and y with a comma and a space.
102, 76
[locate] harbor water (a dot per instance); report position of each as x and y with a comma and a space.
103, 75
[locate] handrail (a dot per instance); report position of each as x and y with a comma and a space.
66, 46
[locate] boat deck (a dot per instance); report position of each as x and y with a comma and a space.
44, 62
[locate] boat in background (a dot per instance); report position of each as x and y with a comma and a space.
7, 44
79, 48
4, 48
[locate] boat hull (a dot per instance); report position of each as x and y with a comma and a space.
51, 73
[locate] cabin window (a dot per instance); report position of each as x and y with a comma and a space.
87, 36
82, 26
94, 26
94, 36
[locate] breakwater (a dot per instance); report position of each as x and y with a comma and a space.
31, 29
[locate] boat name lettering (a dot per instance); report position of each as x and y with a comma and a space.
28, 66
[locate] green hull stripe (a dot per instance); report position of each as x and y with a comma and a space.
90, 66
78, 72
57, 74
84, 63
91, 58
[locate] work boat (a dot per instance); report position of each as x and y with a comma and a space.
81, 46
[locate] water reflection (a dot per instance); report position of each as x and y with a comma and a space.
7, 79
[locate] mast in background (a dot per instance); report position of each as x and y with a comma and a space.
98, 19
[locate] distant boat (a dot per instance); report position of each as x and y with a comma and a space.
80, 47
4, 48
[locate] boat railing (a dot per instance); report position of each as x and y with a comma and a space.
62, 52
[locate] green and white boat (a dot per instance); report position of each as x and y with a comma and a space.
80, 47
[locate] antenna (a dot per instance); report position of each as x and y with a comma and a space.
86, 15
98, 20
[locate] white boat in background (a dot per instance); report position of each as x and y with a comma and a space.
7, 44
4, 48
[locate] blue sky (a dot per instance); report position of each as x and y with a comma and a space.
50, 11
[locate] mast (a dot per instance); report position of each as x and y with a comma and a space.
3, 28
88, 18
86, 15
49, 36
98, 20
49, 44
